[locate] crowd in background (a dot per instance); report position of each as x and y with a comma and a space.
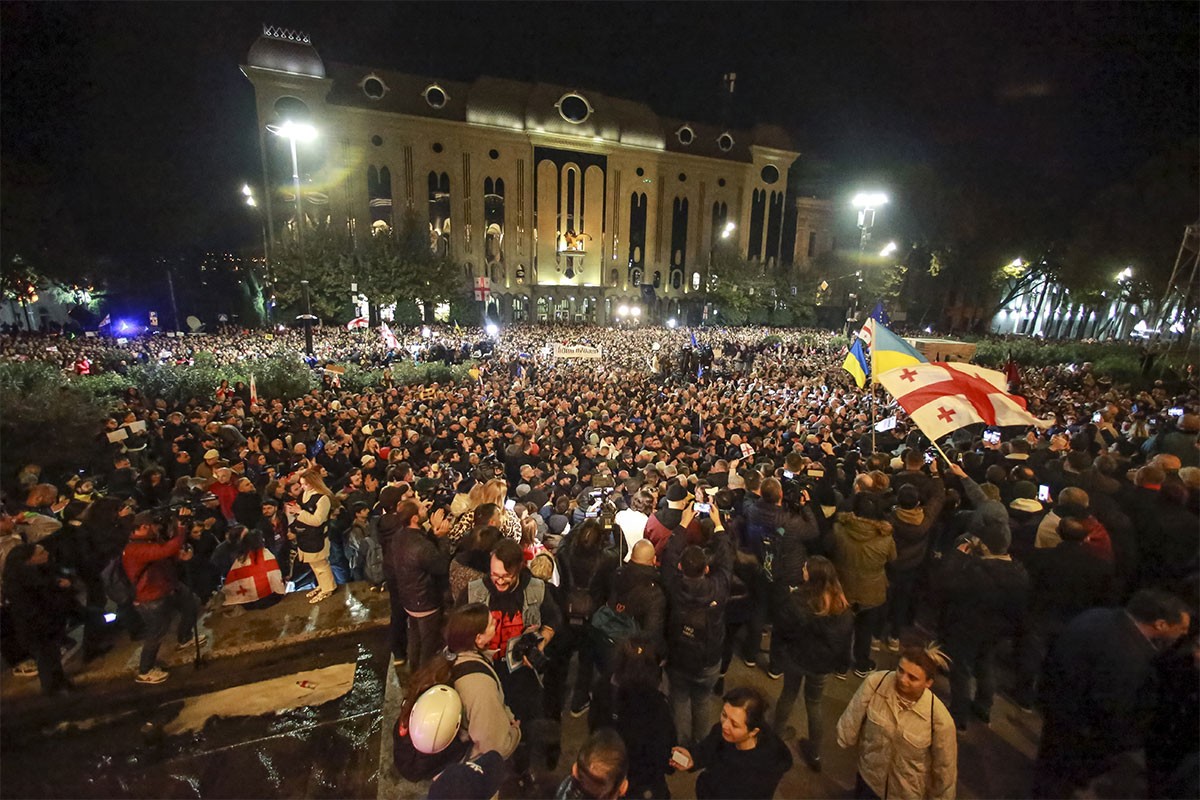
683, 499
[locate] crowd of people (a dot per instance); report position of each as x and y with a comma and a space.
648, 508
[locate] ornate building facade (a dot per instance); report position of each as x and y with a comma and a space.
571, 203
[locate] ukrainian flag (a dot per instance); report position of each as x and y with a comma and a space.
889, 351
856, 363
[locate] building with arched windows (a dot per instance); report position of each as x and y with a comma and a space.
570, 202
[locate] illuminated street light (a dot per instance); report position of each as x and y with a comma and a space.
636, 311
622, 311
888, 249
869, 199
492, 329
671, 323
250, 201
299, 132
866, 203
728, 230
1125, 274
246, 190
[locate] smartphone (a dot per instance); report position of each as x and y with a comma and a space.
702, 508
929, 458
680, 759
1175, 412
788, 474
1044, 493
1096, 417
991, 437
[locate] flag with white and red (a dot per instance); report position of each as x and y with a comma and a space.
253, 577
942, 397
356, 323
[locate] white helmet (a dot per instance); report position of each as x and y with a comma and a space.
435, 719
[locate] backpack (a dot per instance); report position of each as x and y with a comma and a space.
116, 583
611, 625
371, 554
580, 605
411, 763
692, 629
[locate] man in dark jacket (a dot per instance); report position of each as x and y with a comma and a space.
416, 562
777, 537
638, 592
1097, 690
698, 592
912, 528
984, 595
1065, 581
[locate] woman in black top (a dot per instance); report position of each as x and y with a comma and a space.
741, 757
814, 624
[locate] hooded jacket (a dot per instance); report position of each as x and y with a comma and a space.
709, 592
986, 513
912, 528
982, 597
861, 550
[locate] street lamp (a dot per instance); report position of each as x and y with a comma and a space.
888, 249
866, 203
299, 132
728, 230
252, 202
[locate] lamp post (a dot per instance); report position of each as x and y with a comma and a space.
303, 132
866, 203
252, 202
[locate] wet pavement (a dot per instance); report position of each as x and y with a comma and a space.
175, 749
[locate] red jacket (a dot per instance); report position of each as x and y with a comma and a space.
226, 493
150, 567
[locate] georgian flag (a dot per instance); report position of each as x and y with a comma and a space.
253, 390
389, 338
941, 398
357, 322
249, 580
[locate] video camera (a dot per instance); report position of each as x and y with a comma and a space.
599, 507
489, 469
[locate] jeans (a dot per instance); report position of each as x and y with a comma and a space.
971, 658
156, 615
567, 641
865, 623
760, 612
814, 688
424, 638
693, 704
398, 626
902, 590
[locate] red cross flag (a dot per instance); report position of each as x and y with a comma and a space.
942, 398
483, 289
253, 577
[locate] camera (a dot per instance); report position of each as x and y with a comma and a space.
525, 647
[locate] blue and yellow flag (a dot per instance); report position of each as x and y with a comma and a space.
856, 363
889, 351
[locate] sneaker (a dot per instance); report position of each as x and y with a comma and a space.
774, 673
578, 711
841, 676
876, 644
810, 755
155, 675
893, 645
26, 669
399, 661
192, 642
863, 672
750, 661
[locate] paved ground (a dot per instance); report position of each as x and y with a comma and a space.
243, 726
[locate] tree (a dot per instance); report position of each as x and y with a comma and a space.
319, 258
738, 288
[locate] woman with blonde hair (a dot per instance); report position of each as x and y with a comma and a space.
496, 491
310, 531
814, 625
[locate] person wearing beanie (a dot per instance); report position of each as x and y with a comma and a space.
983, 595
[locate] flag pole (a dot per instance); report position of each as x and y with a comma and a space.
941, 452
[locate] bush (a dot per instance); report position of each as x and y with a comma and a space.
48, 419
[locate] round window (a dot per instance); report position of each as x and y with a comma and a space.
686, 135
493, 154
720, 181
725, 142
682, 177
292, 108
435, 95
437, 147
640, 172
770, 173
377, 140
373, 88
574, 108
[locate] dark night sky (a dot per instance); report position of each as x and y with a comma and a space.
132, 122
